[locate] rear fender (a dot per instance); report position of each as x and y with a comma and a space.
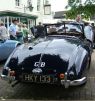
81, 61
78, 61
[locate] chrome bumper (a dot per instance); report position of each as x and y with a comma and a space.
64, 82
77, 82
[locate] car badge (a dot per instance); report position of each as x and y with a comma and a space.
39, 64
37, 70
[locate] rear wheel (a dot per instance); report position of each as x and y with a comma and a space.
85, 73
89, 62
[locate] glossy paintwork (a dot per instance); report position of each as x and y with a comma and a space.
6, 48
60, 54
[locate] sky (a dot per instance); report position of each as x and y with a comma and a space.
58, 5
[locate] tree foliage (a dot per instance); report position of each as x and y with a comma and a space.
86, 8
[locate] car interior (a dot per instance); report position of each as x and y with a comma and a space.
67, 29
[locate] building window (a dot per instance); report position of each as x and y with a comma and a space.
38, 5
46, 2
47, 9
17, 2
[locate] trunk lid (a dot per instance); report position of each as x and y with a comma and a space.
54, 54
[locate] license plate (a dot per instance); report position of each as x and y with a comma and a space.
37, 78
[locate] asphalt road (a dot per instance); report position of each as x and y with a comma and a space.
50, 92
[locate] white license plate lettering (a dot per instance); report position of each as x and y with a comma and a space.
28, 78
43, 79
37, 78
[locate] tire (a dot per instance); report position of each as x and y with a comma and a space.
85, 74
89, 62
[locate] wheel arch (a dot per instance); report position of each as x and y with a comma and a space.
81, 62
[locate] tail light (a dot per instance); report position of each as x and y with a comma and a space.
12, 73
61, 76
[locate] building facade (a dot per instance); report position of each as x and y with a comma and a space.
44, 11
26, 11
18, 9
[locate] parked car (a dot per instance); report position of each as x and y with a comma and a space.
62, 57
6, 48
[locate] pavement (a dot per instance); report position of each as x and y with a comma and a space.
50, 92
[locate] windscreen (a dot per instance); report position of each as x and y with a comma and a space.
66, 28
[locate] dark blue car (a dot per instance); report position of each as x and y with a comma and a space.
61, 57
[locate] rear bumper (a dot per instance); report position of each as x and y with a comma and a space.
66, 83
78, 82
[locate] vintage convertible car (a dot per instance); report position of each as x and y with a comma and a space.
6, 48
62, 57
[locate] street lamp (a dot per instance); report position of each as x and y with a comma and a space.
30, 7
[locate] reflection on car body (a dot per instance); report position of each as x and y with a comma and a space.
7, 47
59, 58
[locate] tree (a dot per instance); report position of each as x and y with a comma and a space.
86, 8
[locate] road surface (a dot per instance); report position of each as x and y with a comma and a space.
49, 92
